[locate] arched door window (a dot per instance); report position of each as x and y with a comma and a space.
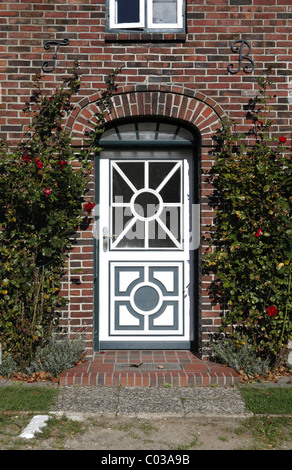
156, 133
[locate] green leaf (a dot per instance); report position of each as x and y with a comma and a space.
47, 251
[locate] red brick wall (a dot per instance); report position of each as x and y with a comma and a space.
182, 75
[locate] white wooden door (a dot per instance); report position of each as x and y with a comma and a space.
144, 249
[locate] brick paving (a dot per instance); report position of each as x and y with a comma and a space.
148, 369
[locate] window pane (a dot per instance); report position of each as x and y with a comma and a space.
134, 171
134, 237
171, 190
122, 192
128, 11
158, 171
164, 11
158, 238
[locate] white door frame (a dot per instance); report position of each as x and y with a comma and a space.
110, 260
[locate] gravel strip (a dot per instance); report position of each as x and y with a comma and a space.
155, 402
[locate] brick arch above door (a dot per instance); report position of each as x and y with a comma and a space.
170, 102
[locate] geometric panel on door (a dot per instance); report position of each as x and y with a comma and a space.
146, 205
146, 298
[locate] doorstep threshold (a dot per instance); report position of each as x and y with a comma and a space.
142, 367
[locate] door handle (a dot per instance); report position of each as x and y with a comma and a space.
109, 236
106, 236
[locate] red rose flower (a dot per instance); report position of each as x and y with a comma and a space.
282, 139
38, 163
89, 206
272, 311
258, 233
61, 164
26, 158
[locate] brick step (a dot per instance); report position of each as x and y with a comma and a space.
148, 369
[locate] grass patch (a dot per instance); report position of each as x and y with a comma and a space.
27, 398
268, 432
268, 400
11, 425
18, 404
52, 436
191, 445
58, 430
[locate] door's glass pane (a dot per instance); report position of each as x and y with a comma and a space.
170, 222
121, 216
166, 131
127, 132
158, 238
134, 171
147, 131
110, 135
171, 191
122, 192
158, 171
134, 237
184, 134
146, 204
164, 11
128, 11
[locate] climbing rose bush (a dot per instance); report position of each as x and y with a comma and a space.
42, 203
250, 241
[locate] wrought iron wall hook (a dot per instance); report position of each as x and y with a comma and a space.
47, 46
248, 68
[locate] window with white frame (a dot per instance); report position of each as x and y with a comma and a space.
146, 15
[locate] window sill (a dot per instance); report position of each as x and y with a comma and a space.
145, 37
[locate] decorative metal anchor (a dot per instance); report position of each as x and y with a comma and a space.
47, 46
248, 68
